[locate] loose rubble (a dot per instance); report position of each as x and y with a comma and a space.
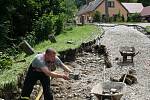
90, 68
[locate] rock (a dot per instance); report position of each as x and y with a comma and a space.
129, 79
75, 94
70, 42
24, 45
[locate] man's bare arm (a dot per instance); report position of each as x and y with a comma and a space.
66, 68
54, 74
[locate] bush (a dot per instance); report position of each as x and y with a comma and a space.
97, 16
134, 18
58, 26
43, 27
118, 17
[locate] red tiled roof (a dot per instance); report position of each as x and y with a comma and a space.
145, 11
133, 7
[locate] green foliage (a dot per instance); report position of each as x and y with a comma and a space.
118, 17
43, 27
22, 18
70, 8
58, 25
97, 16
17, 17
4, 32
7, 57
144, 2
56, 6
31, 38
134, 17
5, 61
148, 29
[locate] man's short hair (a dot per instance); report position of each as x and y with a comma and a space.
50, 50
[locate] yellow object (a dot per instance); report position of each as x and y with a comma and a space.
27, 98
39, 94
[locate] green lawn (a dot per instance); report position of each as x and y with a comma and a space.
78, 35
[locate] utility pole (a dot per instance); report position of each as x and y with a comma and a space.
106, 10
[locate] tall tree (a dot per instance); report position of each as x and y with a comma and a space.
144, 2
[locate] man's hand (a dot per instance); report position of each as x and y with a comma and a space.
54, 74
65, 77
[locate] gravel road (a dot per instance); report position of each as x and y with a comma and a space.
117, 36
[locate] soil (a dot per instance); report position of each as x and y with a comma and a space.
89, 66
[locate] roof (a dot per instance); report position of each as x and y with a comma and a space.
145, 11
133, 7
130, 7
90, 7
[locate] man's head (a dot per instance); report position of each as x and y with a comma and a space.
50, 55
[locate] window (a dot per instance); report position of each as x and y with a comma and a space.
111, 4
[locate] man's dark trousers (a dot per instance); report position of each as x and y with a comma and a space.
31, 79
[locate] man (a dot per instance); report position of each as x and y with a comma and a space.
40, 69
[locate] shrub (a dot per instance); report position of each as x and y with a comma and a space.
43, 27
134, 17
59, 23
118, 17
97, 16
58, 26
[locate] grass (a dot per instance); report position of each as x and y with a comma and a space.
10, 77
78, 35
148, 29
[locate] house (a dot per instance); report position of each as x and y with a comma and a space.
114, 7
145, 13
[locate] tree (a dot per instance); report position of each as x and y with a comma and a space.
144, 2
18, 17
